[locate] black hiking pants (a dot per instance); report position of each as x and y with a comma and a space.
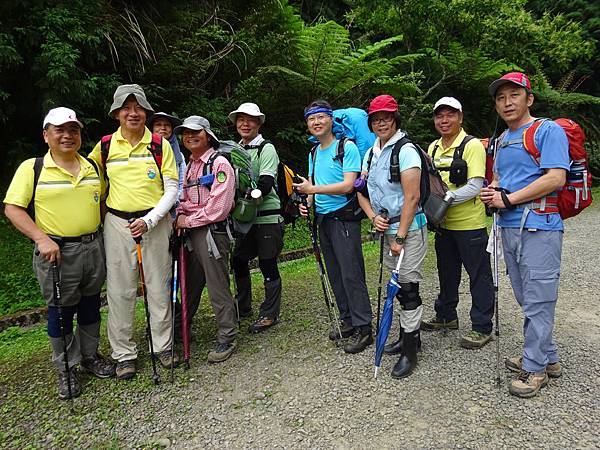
456, 248
342, 252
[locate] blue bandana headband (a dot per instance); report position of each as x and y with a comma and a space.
318, 109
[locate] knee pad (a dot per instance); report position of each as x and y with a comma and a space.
269, 269
409, 296
240, 267
88, 310
54, 320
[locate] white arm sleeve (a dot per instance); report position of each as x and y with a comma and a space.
164, 205
468, 191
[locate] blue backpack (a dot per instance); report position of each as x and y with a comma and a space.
352, 123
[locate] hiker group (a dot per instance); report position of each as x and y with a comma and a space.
133, 210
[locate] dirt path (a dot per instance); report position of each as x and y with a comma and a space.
292, 388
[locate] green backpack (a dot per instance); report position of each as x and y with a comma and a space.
244, 210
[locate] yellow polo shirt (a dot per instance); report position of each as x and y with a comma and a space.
469, 215
134, 180
64, 205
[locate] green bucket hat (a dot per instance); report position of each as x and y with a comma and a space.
124, 91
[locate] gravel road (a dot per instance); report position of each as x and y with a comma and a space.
312, 395
292, 388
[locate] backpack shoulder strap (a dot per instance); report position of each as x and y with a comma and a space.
104, 149
261, 146
313, 155
395, 159
369, 159
156, 149
458, 152
435, 149
38, 165
94, 165
339, 150
529, 140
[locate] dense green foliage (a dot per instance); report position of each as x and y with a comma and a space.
205, 57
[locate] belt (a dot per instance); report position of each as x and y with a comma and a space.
128, 215
84, 238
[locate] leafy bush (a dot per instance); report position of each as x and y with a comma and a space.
20, 289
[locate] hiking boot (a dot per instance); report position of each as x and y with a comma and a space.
63, 385
475, 339
126, 369
99, 366
515, 364
395, 348
221, 352
528, 384
408, 360
166, 361
262, 324
359, 340
436, 323
346, 330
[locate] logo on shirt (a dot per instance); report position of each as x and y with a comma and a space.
96, 196
221, 177
151, 173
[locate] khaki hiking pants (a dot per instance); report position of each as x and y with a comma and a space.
122, 280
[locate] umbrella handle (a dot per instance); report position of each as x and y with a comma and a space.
400, 257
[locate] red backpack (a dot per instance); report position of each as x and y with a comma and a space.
576, 194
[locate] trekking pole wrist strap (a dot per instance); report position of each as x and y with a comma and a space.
504, 195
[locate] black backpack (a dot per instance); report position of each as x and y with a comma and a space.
458, 168
432, 189
284, 189
37, 170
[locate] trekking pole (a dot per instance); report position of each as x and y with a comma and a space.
383, 213
328, 295
175, 256
496, 306
185, 331
61, 324
138, 242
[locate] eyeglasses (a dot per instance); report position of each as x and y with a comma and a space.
317, 117
382, 120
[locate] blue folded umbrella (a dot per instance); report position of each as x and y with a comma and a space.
393, 287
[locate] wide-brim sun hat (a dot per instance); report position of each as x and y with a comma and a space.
60, 116
123, 92
385, 103
251, 109
196, 123
175, 121
447, 101
518, 78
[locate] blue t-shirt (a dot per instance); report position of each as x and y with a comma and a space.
515, 169
384, 194
328, 170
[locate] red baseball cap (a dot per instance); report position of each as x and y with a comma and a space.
383, 103
518, 78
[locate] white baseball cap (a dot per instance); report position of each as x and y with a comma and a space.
61, 115
251, 109
447, 101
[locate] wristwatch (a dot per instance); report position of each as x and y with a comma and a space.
400, 240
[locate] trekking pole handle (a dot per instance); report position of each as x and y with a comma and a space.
136, 239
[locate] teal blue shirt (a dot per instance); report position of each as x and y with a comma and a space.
328, 170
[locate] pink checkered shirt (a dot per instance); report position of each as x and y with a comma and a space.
201, 205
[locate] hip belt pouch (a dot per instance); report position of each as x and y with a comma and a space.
458, 171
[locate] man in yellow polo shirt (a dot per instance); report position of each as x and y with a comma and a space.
462, 239
64, 224
142, 191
